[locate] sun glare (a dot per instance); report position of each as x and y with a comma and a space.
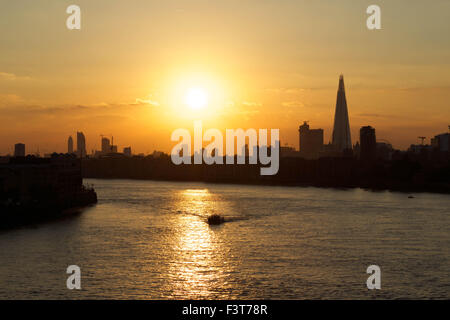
196, 95
196, 98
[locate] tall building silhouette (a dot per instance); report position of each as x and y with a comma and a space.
106, 146
19, 150
368, 143
310, 141
70, 145
341, 131
81, 145
441, 142
127, 151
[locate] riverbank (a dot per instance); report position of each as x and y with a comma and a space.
44, 210
404, 176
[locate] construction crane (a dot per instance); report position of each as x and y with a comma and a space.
422, 138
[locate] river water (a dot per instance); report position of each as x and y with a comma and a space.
150, 240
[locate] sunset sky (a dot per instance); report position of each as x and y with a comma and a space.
260, 63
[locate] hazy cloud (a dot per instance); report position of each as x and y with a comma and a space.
147, 101
251, 104
9, 99
12, 77
293, 104
150, 100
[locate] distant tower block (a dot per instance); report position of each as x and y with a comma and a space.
127, 151
106, 145
341, 131
19, 150
70, 145
368, 143
81, 145
310, 141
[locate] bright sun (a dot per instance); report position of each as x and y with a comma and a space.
196, 98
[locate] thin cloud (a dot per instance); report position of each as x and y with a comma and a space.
293, 104
251, 104
147, 101
12, 77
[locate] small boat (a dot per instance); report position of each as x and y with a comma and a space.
411, 197
215, 219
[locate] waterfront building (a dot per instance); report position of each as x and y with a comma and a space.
310, 141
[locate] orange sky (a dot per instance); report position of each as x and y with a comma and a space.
263, 64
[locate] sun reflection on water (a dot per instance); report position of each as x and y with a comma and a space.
199, 253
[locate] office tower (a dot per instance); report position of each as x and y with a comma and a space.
106, 146
441, 142
368, 143
19, 150
384, 151
341, 131
81, 145
70, 145
310, 141
127, 151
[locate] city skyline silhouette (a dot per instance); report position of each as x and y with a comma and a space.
253, 74
232, 157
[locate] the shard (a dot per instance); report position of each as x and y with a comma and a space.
342, 139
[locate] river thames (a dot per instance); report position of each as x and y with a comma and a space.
150, 240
